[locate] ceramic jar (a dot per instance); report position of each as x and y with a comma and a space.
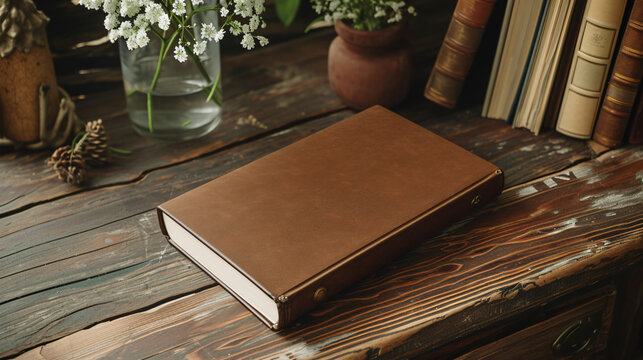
367, 68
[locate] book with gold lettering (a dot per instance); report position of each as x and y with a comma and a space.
457, 51
624, 83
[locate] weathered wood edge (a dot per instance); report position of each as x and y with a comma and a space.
593, 263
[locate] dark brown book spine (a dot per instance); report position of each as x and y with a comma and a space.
624, 83
636, 130
458, 50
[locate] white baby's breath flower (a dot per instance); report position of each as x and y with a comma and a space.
259, 7
263, 41
178, 7
180, 54
235, 28
164, 22
219, 35
131, 20
411, 10
109, 6
153, 12
125, 30
111, 21
141, 38
243, 8
254, 23
208, 31
141, 21
396, 5
129, 8
248, 42
113, 35
91, 4
199, 47
379, 12
131, 43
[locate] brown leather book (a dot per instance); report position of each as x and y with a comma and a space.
458, 50
291, 229
636, 129
624, 83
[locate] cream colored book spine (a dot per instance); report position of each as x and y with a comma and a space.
592, 57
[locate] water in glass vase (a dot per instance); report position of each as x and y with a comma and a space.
179, 108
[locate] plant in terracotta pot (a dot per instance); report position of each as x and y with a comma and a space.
176, 98
369, 62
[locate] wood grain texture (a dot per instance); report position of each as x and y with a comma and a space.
94, 259
39, 244
556, 234
125, 264
535, 342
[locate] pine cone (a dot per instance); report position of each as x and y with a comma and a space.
21, 26
70, 167
94, 147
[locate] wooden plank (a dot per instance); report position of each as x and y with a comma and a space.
63, 242
555, 234
535, 342
285, 90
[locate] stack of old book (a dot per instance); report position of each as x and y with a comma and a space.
551, 66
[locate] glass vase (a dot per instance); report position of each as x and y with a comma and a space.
178, 101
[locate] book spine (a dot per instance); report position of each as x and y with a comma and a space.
593, 54
560, 79
359, 265
624, 83
636, 130
457, 51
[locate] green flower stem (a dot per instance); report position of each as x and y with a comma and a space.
199, 65
214, 88
206, 76
216, 8
153, 85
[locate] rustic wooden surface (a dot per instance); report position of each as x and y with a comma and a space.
85, 272
554, 234
534, 342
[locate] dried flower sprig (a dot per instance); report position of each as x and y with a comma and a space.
363, 14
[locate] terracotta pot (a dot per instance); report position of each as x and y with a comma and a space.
367, 68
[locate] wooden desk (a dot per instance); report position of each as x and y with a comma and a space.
85, 272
